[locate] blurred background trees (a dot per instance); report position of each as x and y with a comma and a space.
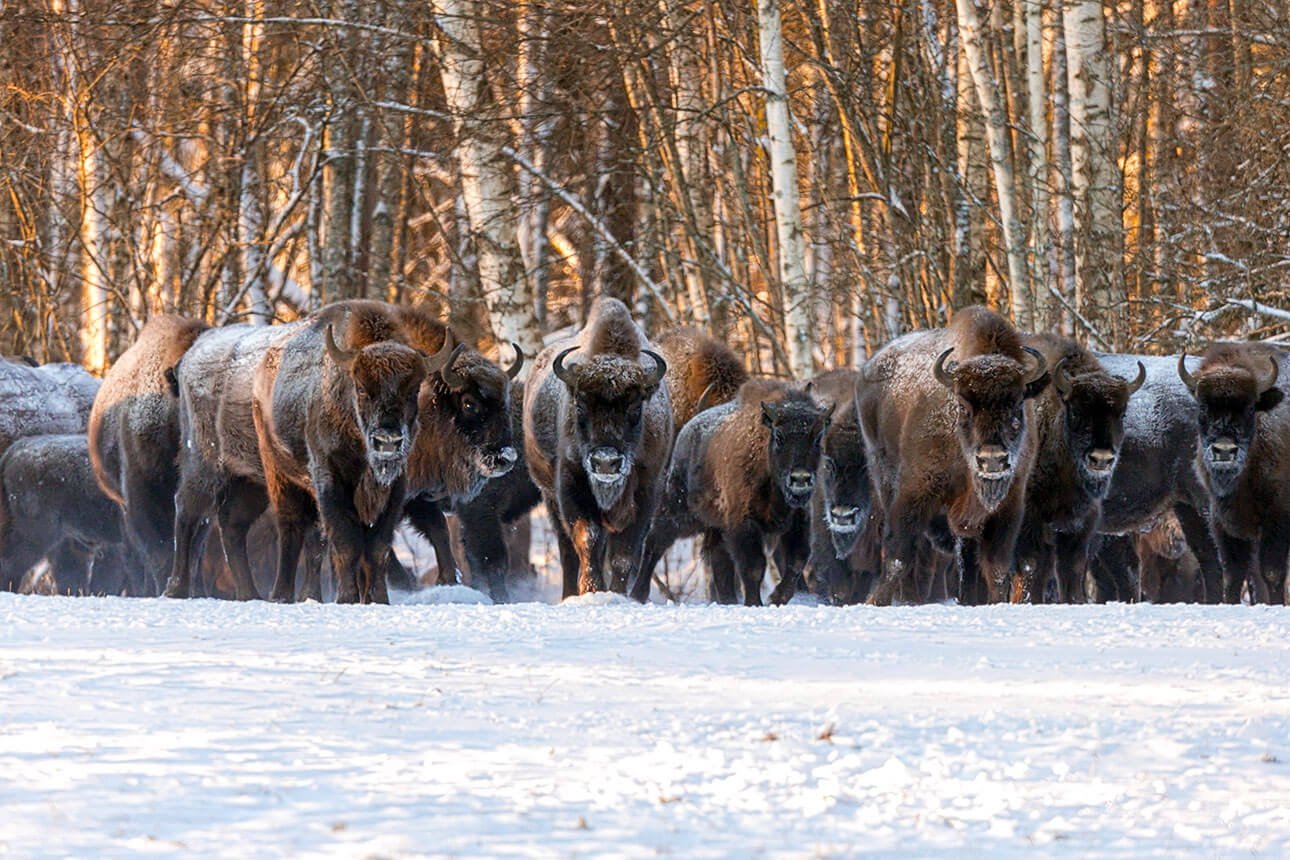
1117, 171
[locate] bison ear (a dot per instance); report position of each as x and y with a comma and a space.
1269, 399
769, 413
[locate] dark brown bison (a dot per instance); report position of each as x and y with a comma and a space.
1079, 421
1241, 460
51, 506
701, 372
336, 425
841, 505
742, 475
597, 435
134, 437
948, 424
1156, 476
467, 437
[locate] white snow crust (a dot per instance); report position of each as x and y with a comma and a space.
209, 728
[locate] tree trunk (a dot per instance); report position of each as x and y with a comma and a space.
788, 209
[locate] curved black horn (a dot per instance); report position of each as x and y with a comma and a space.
442, 360
660, 367
1271, 380
340, 357
1041, 363
451, 378
1139, 379
700, 404
514, 370
945, 377
557, 367
1061, 381
1187, 378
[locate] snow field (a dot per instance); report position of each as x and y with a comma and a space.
602, 728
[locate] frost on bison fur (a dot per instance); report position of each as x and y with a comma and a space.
466, 436
743, 474
597, 435
49, 497
949, 426
1156, 476
134, 437
34, 402
701, 372
1080, 424
1243, 434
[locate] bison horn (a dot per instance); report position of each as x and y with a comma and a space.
1187, 378
769, 411
1041, 364
1272, 380
557, 367
514, 370
944, 376
451, 378
1061, 381
700, 404
660, 367
1139, 379
340, 357
828, 413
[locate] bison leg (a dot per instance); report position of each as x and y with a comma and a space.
722, 565
568, 555
150, 518
483, 540
295, 516
427, 518
747, 549
905, 526
69, 562
1237, 558
1272, 560
192, 523
314, 550
242, 504
1201, 541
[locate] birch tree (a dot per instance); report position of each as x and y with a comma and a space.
787, 206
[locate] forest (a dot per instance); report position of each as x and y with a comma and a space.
807, 178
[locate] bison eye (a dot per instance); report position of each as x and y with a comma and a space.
1016, 423
470, 406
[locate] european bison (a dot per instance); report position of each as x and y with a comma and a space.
1079, 420
1241, 459
841, 505
1156, 476
134, 437
36, 401
336, 425
50, 505
742, 475
597, 435
948, 426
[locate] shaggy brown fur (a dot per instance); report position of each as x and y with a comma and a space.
698, 363
951, 450
134, 437
1244, 433
597, 444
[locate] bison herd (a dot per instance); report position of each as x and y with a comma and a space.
975, 462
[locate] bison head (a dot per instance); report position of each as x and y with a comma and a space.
796, 426
844, 486
386, 377
475, 395
1230, 397
608, 394
1095, 404
991, 391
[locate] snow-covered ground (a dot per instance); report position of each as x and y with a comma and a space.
598, 728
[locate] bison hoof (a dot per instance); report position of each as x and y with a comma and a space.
176, 589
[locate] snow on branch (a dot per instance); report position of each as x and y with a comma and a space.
1249, 305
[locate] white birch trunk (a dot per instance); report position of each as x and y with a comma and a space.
1000, 145
1038, 162
488, 184
788, 209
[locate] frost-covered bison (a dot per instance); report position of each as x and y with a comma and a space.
51, 505
53, 398
742, 475
1079, 420
1241, 458
134, 437
597, 435
949, 430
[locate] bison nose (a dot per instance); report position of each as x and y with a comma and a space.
801, 481
387, 442
992, 459
845, 515
507, 456
606, 461
1224, 450
1100, 459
